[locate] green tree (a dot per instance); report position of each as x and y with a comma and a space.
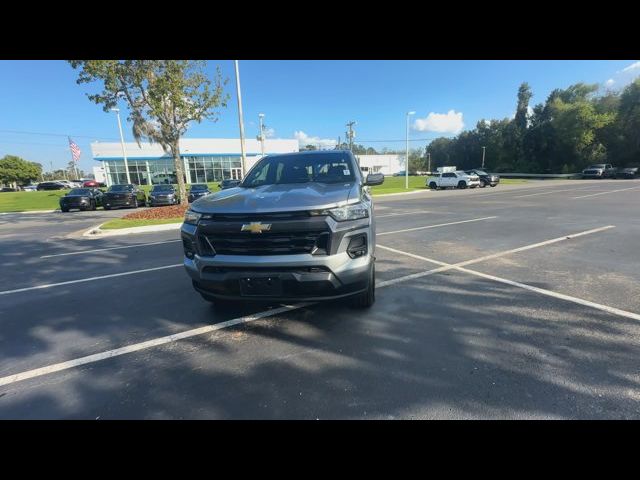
628, 123
14, 169
163, 98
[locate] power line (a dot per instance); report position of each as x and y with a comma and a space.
34, 143
23, 132
401, 140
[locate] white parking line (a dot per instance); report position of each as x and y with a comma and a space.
554, 191
90, 279
460, 267
10, 379
500, 254
435, 226
400, 214
604, 193
562, 296
38, 372
81, 252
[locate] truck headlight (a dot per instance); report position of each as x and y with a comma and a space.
349, 212
192, 217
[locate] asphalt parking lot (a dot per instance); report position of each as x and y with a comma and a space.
521, 301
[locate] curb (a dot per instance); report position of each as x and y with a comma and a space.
30, 212
401, 193
96, 232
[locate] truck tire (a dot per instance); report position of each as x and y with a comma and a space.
482, 184
367, 298
462, 184
433, 186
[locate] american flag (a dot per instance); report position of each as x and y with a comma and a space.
75, 150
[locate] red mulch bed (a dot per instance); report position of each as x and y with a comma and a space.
171, 211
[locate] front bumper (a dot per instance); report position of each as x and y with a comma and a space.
117, 202
593, 175
80, 204
300, 277
162, 201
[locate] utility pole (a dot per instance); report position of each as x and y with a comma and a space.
244, 161
124, 151
483, 148
261, 116
429, 159
338, 144
406, 171
351, 134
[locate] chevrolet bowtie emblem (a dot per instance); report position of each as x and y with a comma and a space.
256, 227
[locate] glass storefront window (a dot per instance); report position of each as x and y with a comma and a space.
202, 169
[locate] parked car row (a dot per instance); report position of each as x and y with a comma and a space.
67, 184
450, 178
606, 170
127, 196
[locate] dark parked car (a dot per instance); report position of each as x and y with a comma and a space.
163, 195
51, 186
224, 184
8, 189
124, 195
82, 199
628, 173
485, 178
198, 190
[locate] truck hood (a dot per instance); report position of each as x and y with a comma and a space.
278, 198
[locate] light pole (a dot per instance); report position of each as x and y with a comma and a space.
261, 116
124, 152
406, 169
483, 148
240, 117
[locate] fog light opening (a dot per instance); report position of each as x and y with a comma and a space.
357, 246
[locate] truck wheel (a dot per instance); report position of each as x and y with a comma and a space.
64, 209
462, 184
368, 297
107, 207
93, 205
433, 186
482, 184
135, 203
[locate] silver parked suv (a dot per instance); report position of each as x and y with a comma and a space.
300, 227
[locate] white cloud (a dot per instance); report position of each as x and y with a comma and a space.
623, 77
633, 66
450, 122
269, 132
304, 140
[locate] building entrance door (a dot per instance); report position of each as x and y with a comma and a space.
236, 174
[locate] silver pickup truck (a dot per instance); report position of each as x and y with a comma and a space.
300, 227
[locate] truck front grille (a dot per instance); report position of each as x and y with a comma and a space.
267, 243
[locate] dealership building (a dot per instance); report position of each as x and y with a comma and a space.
205, 159
387, 164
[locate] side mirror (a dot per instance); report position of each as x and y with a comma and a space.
374, 179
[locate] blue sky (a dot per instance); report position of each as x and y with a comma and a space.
305, 99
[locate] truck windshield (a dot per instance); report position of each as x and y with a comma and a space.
286, 169
120, 188
162, 188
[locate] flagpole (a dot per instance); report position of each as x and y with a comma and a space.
73, 160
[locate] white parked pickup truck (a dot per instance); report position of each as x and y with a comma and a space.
457, 179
